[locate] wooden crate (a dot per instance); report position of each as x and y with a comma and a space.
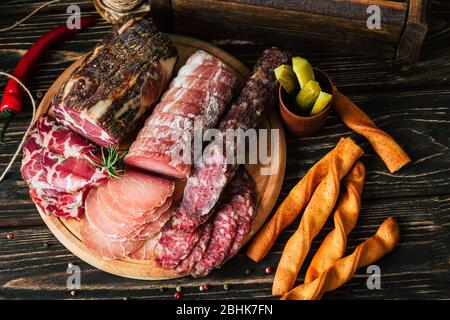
304, 24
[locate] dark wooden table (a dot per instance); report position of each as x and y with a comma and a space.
411, 102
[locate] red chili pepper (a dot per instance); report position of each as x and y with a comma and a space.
12, 97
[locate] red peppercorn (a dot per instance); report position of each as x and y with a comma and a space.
205, 287
9, 235
268, 270
177, 295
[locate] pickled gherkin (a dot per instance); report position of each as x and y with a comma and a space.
307, 96
303, 70
286, 77
322, 101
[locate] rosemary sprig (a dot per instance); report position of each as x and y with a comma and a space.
110, 161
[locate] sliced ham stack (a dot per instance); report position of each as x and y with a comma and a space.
197, 96
123, 213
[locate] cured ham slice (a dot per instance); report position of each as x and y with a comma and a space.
109, 95
200, 92
123, 213
105, 248
57, 166
146, 251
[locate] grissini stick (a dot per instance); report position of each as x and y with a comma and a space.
345, 217
315, 215
291, 207
288, 210
384, 145
383, 242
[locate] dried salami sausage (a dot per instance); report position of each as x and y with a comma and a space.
209, 178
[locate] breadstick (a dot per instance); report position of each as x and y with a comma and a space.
384, 145
291, 206
315, 215
368, 252
345, 216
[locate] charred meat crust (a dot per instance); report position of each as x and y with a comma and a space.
117, 70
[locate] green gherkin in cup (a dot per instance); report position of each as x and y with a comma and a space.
286, 77
307, 96
303, 70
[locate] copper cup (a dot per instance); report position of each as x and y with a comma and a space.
304, 126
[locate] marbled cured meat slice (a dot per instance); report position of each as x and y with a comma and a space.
185, 266
209, 73
197, 97
224, 231
109, 95
210, 88
202, 58
180, 107
57, 166
257, 96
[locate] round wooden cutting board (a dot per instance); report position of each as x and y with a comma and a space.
67, 231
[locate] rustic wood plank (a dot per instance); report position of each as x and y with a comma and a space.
414, 270
350, 72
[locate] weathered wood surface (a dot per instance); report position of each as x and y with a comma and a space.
411, 102
334, 25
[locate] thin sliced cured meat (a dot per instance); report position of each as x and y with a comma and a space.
104, 247
257, 96
224, 231
117, 225
208, 182
137, 193
173, 246
146, 251
162, 163
193, 96
123, 213
185, 266
57, 165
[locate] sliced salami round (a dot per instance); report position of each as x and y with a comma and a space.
186, 265
224, 231
243, 199
174, 245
